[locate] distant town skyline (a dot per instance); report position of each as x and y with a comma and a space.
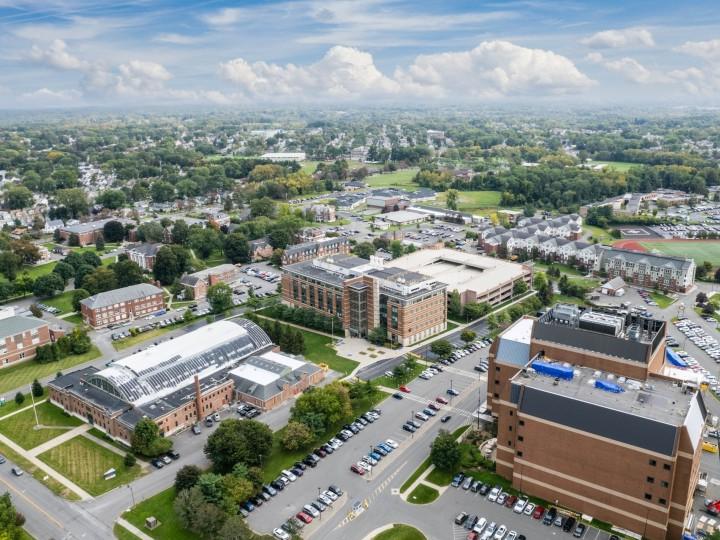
74, 53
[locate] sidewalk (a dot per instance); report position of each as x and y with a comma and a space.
132, 528
57, 441
21, 410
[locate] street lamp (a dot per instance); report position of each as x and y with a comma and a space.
319, 490
132, 494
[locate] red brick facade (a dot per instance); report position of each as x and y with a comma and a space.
122, 311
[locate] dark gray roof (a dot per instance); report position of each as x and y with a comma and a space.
677, 263
17, 324
309, 246
91, 225
109, 298
144, 249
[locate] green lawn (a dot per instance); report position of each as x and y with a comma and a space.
562, 299
564, 268
620, 166
10, 406
24, 535
309, 167
392, 382
75, 319
414, 476
439, 477
589, 283
159, 506
14, 377
402, 179
121, 533
471, 201
95, 432
34, 271
662, 300
401, 532
599, 234
700, 250
21, 427
63, 302
84, 462
423, 494
318, 351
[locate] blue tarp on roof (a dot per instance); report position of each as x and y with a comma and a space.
609, 386
553, 370
673, 358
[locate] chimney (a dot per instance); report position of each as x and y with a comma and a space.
198, 401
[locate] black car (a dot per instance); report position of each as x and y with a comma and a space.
310, 461
550, 516
398, 395
336, 490
460, 518
297, 471
408, 428
278, 485
157, 463
484, 488
172, 454
471, 522
446, 418
569, 524
300, 465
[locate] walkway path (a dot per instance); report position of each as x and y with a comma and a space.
57, 441
133, 529
72, 486
21, 410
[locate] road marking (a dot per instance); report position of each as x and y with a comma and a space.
33, 504
715, 481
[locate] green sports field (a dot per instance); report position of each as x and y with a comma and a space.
620, 166
700, 250
397, 179
471, 201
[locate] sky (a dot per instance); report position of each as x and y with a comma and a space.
78, 53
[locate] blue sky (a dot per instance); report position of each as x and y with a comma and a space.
69, 53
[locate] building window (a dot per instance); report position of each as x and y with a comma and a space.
521, 438
662, 501
666, 466
519, 453
664, 484
650, 480
497, 368
652, 462
509, 428
511, 413
509, 443
496, 395
497, 381
521, 422
648, 497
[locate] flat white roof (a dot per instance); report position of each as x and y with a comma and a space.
255, 374
461, 271
292, 363
401, 216
520, 332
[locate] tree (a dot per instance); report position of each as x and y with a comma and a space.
364, 250
78, 295
445, 451
452, 199
296, 435
236, 489
17, 197
73, 240
441, 347
264, 206
100, 280
468, 336
319, 408
454, 305
277, 255
180, 232
196, 514
36, 388
19, 398
237, 248
74, 200
166, 268
9, 264
150, 232
75, 342
129, 460
377, 335
36, 311
520, 287
220, 297
396, 248
238, 441
100, 243
113, 231
127, 273
187, 477
147, 441
701, 298
65, 270
48, 285
474, 310
112, 199
204, 241
11, 520
26, 250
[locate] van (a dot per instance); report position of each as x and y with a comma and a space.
710, 447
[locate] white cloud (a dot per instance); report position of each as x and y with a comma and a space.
176, 39
629, 68
56, 55
707, 50
492, 69
44, 97
225, 16
613, 39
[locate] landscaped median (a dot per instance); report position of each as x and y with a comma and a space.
423, 494
400, 532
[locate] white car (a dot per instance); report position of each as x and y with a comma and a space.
519, 506
512, 535
330, 495
391, 443
280, 534
363, 465
529, 508
290, 476
500, 533
493, 495
480, 525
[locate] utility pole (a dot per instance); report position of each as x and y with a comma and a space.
32, 397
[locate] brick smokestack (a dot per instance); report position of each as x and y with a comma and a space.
198, 401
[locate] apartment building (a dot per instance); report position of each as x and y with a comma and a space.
322, 213
120, 305
143, 254
365, 295
20, 336
197, 284
648, 270
87, 233
313, 250
588, 418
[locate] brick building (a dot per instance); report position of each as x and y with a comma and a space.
21, 336
365, 295
143, 254
588, 417
121, 305
89, 232
179, 382
313, 250
197, 284
260, 249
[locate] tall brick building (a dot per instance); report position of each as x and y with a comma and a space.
121, 305
366, 294
588, 417
21, 336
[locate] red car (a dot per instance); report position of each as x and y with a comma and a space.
538, 513
405, 389
442, 400
433, 406
472, 535
305, 518
357, 470
510, 502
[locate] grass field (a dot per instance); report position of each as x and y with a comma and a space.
23, 374
317, 351
392, 382
20, 427
309, 167
423, 494
599, 234
398, 179
662, 300
75, 318
161, 507
620, 166
34, 271
564, 268
700, 250
471, 201
414, 476
400, 532
84, 462
10, 406
121, 533
63, 302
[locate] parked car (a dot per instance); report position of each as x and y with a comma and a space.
405, 389
445, 419
357, 470
569, 524
538, 513
17, 471
452, 392
457, 480
196, 429
172, 454
397, 395
579, 530
520, 506
157, 463
280, 534
460, 518
467, 483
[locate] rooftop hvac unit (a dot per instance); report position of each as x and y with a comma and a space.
601, 322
